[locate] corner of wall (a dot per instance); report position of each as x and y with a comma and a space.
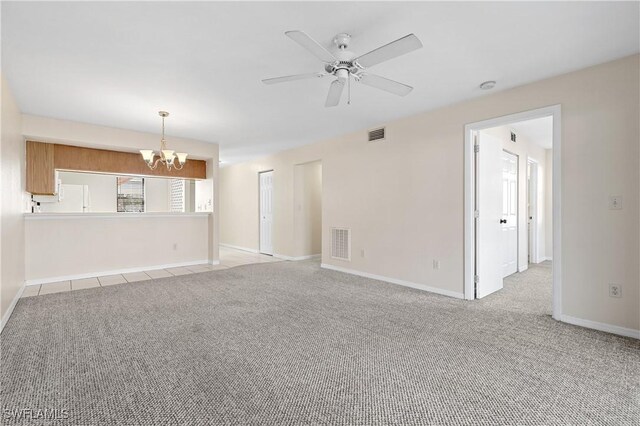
12, 202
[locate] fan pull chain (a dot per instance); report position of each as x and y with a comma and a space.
349, 89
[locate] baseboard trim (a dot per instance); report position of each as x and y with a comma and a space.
119, 271
295, 258
308, 257
250, 250
600, 326
7, 315
395, 281
524, 268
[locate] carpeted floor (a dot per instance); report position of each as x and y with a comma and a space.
289, 343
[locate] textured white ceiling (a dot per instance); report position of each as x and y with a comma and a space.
117, 64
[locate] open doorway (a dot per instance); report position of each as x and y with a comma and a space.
510, 208
307, 219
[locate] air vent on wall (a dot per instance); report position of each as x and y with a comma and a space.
341, 243
377, 134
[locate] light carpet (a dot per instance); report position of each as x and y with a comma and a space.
289, 343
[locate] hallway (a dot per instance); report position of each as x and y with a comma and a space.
527, 292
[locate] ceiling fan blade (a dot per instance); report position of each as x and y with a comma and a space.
385, 84
311, 45
293, 78
335, 91
392, 50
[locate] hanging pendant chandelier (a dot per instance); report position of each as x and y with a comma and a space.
171, 159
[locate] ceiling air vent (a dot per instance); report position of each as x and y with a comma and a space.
377, 134
341, 243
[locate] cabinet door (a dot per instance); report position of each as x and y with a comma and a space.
40, 171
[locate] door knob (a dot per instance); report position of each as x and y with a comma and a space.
503, 220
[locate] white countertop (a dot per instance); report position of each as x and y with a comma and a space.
96, 215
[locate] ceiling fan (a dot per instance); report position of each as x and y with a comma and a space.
345, 64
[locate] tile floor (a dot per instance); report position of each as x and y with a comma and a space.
229, 258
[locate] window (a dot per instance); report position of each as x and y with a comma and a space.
176, 195
130, 194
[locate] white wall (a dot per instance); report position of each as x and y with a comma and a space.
203, 199
542, 198
12, 203
190, 196
308, 208
58, 247
403, 198
156, 195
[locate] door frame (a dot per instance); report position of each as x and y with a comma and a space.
469, 205
532, 229
260, 213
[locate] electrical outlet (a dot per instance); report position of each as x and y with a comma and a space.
615, 290
362, 253
436, 264
175, 246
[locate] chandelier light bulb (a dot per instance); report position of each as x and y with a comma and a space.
147, 155
182, 157
168, 154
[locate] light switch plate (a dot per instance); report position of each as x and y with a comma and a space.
615, 202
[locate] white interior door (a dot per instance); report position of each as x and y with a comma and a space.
266, 212
532, 211
488, 222
509, 220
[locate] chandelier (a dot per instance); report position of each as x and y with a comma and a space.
165, 156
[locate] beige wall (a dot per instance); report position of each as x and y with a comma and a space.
91, 244
12, 203
239, 206
525, 150
307, 182
82, 134
403, 198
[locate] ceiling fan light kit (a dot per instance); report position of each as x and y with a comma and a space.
344, 65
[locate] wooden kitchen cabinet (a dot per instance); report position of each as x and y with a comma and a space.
41, 175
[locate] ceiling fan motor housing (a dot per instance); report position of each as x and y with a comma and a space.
344, 62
